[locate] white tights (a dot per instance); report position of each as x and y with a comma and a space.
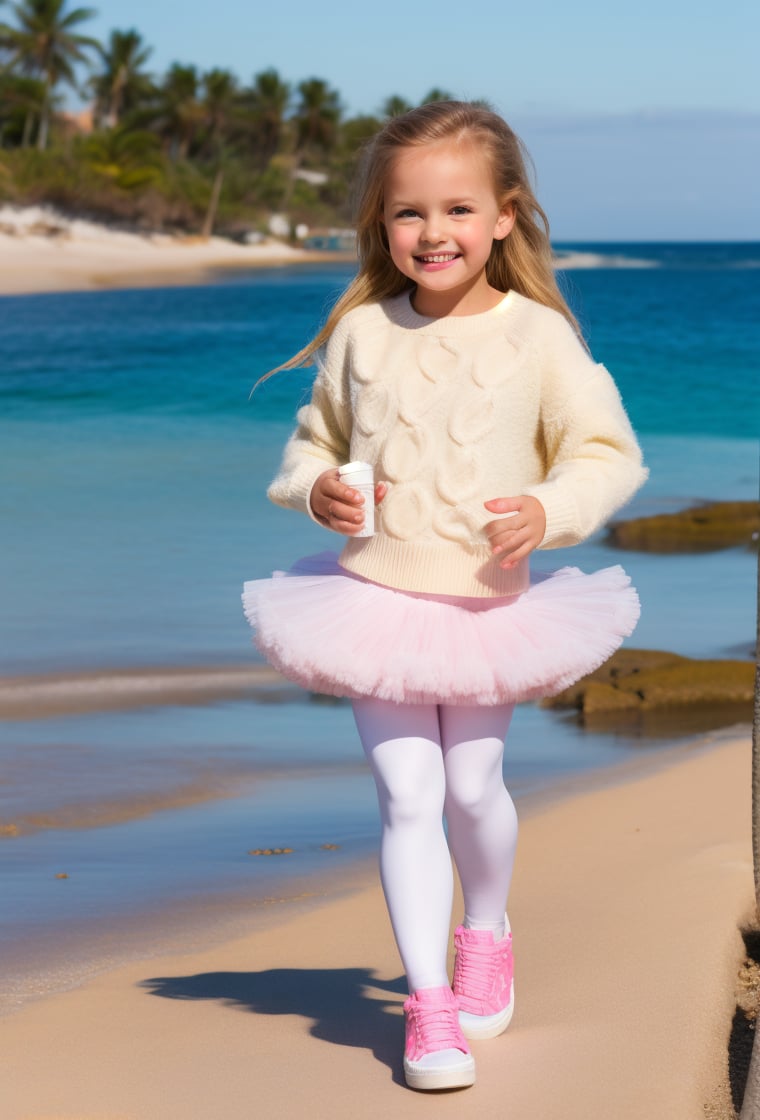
428, 760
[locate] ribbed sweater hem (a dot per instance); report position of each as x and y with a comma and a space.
432, 567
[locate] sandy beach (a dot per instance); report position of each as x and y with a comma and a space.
84, 256
627, 906
171, 974
44, 251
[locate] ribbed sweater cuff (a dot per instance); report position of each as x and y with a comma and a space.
562, 523
298, 490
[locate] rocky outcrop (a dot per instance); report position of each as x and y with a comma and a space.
701, 528
639, 682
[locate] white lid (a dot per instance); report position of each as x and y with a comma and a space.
350, 468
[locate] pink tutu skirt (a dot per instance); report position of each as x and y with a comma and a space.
333, 632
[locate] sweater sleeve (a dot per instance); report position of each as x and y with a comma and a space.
323, 435
593, 460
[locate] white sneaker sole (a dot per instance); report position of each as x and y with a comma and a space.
488, 1026
457, 1077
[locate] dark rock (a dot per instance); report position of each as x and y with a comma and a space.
702, 528
639, 682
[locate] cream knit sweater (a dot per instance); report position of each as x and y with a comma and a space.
453, 412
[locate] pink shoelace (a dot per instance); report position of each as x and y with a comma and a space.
482, 972
432, 1025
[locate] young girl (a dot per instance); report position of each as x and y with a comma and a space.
453, 366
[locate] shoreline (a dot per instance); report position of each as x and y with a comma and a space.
44, 251
626, 904
44, 265
69, 950
40, 266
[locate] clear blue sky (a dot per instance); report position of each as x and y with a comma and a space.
643, 119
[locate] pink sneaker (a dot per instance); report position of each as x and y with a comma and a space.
436, 1054
483, 982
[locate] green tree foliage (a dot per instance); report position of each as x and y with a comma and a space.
186, 149
44, 44
179, 113
220, 102
395, 106
436, 94
121, 83
130, 160
316, 118
21, 101
267, 103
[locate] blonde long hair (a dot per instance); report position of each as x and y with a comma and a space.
522, 261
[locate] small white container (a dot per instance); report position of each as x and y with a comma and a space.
359, 476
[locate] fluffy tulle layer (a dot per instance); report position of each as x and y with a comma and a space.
333, 632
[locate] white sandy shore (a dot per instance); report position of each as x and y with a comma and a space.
85, 255
626, 907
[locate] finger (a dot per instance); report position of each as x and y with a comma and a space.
338, 512
336, 491
347, 526
509, 542
513, 557
503, 527
507, 521
381, 490
503, 505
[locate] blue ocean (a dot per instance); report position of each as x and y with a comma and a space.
135, 459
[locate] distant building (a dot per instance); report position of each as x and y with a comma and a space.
78, 124
331, 240
314, 178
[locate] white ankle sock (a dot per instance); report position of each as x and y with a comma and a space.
498, 929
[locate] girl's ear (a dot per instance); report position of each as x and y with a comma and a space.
505, 221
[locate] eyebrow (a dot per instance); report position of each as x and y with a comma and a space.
457, 200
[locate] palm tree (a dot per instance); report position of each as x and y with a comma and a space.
180, 113
316, 117
220, 100
268, 101
315, 121
21, 101
436, 94
395, 106
122, 81
45, 45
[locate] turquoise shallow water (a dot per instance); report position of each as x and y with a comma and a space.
132, 503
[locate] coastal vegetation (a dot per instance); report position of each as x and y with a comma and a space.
187, 150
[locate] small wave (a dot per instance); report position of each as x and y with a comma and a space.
211, 785
39, 697
569, 259
105, 812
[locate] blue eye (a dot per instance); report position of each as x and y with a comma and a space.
408, 213
461, 210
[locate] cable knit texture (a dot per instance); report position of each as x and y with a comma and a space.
452, 412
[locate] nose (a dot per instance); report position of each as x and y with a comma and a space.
432, 232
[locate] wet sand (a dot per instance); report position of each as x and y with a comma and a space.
626, 907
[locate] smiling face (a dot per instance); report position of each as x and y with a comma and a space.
441, 217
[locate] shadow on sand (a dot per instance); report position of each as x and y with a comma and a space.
338, 1001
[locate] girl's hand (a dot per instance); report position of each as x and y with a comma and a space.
516, 535
338, 506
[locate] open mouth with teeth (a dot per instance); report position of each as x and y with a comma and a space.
437, 258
